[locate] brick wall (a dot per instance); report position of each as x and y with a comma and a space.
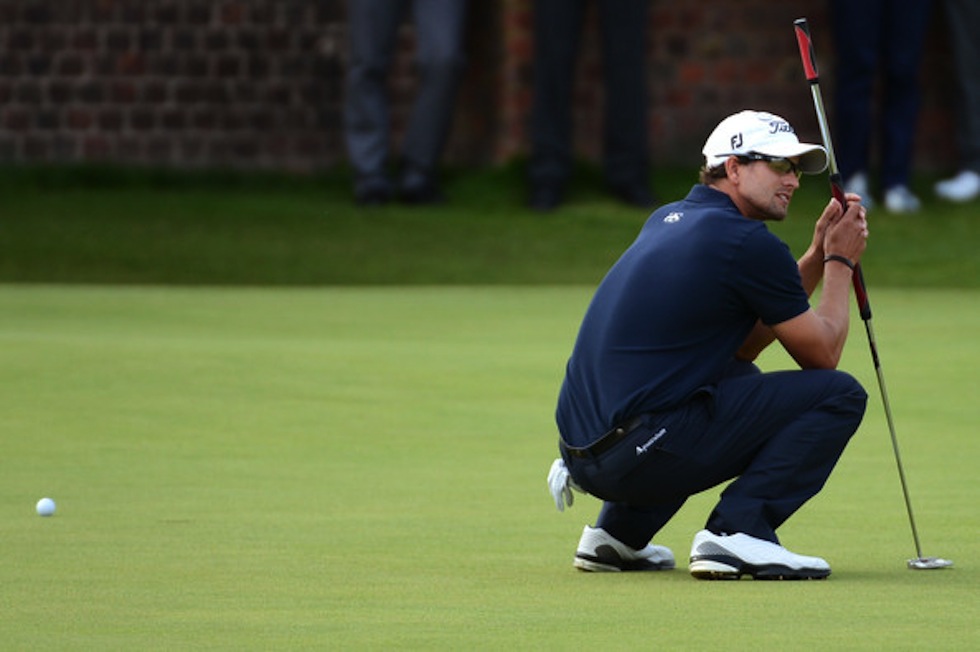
259, 83
709, 59
181, 82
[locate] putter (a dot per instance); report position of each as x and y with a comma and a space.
860, 290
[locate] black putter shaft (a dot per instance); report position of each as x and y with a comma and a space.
860, 290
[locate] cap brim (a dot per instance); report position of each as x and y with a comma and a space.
813, 158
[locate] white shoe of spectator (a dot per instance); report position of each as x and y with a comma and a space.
965, 186
858, 184
899, 199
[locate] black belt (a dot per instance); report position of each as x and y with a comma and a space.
607, 441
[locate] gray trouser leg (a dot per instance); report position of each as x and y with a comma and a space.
373, 25
439, 27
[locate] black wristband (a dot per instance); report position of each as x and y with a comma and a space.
839, 259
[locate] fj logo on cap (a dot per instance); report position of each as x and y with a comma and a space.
737, 141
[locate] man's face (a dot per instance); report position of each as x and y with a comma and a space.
765, 191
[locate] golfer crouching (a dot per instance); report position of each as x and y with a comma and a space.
661, 399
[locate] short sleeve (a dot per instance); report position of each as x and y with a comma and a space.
767, 278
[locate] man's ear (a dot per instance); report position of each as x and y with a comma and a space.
733, 169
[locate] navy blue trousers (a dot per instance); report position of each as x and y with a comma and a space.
558, 26
878, 39
778, 435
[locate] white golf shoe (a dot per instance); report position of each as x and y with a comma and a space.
858, 184
965, 186
899, 199
600, 552
716, 557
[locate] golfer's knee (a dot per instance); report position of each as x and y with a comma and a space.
850, 398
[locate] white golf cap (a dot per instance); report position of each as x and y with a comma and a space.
758, 132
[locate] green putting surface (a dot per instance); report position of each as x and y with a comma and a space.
344, 468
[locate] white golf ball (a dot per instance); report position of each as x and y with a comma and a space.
45, 507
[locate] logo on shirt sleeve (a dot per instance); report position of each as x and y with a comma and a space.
673, 217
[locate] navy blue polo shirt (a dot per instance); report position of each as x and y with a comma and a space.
673, 310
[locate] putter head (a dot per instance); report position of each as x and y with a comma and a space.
929, 563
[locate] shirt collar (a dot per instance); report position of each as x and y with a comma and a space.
702, 194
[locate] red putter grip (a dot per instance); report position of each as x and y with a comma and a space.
837, 189
807, 54
860, 291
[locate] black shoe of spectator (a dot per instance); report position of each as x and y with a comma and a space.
634, 195
420, 187
545, 198
427, 192
373, 192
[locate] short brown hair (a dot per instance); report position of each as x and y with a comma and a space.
709, 175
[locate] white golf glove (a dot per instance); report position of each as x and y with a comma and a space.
561, 484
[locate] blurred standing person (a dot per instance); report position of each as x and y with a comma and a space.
964, 26
873, 35
626, 160
373, 25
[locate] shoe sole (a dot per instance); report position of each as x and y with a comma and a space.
593, 564
714, 568
959, 199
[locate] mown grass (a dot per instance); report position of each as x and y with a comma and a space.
352, 456
364, 469
164, 227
